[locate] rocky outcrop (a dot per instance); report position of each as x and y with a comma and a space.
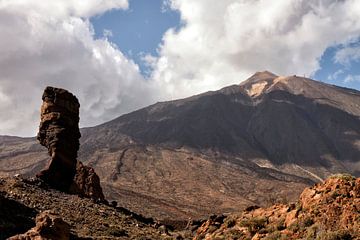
328, 210
59, 132
87, 183
48, 226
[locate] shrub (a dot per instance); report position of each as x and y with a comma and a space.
344, 176
336, 235
254, 224
307, 222
275, 236
230, 222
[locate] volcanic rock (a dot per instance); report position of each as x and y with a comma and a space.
48, 226
22, 199
59, 132
328, 210
87, 183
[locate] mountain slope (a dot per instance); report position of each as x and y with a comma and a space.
329, 210
258, 142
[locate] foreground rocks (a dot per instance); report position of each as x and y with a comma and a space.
330, 210
22, 199
59, 132
48, 226
324, 212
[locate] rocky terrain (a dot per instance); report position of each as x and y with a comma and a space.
326, 211
64, 216
257, 143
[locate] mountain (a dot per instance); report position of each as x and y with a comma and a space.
255, 143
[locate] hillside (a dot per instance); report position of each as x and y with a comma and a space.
255, 143
326, 211
329, 210
23, 199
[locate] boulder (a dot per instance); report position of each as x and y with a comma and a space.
48, 226
87, 183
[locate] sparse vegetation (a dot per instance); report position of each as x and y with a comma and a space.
334, 235
344, 176
254, 224
276, 236
230, 222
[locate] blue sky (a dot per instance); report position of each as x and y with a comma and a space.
336, 73
138, 30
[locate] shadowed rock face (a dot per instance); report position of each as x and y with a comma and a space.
59, 132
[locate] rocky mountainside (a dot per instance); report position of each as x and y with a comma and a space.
329, 211
258, 142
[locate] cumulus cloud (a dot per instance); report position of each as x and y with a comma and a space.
52, 43
352, 78
347, 54
223, 42
219, 43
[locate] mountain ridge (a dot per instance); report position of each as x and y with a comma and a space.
217, 151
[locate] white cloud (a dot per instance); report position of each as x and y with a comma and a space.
40, 47
225, 41
347, 54
107, 33
64, 8
220, 43
352, 78
335, 75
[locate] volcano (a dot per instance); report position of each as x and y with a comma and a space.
256, 143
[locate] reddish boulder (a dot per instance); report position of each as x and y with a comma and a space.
87, 183
48, 226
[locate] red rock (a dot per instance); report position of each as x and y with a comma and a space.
59, 132
48, 226
87, 183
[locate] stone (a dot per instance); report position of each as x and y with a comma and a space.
59, 132
48, 226
87, 183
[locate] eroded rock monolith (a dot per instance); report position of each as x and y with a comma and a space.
59, 132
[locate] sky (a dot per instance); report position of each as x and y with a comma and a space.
120, 55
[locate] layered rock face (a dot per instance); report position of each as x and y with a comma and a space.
59, 132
